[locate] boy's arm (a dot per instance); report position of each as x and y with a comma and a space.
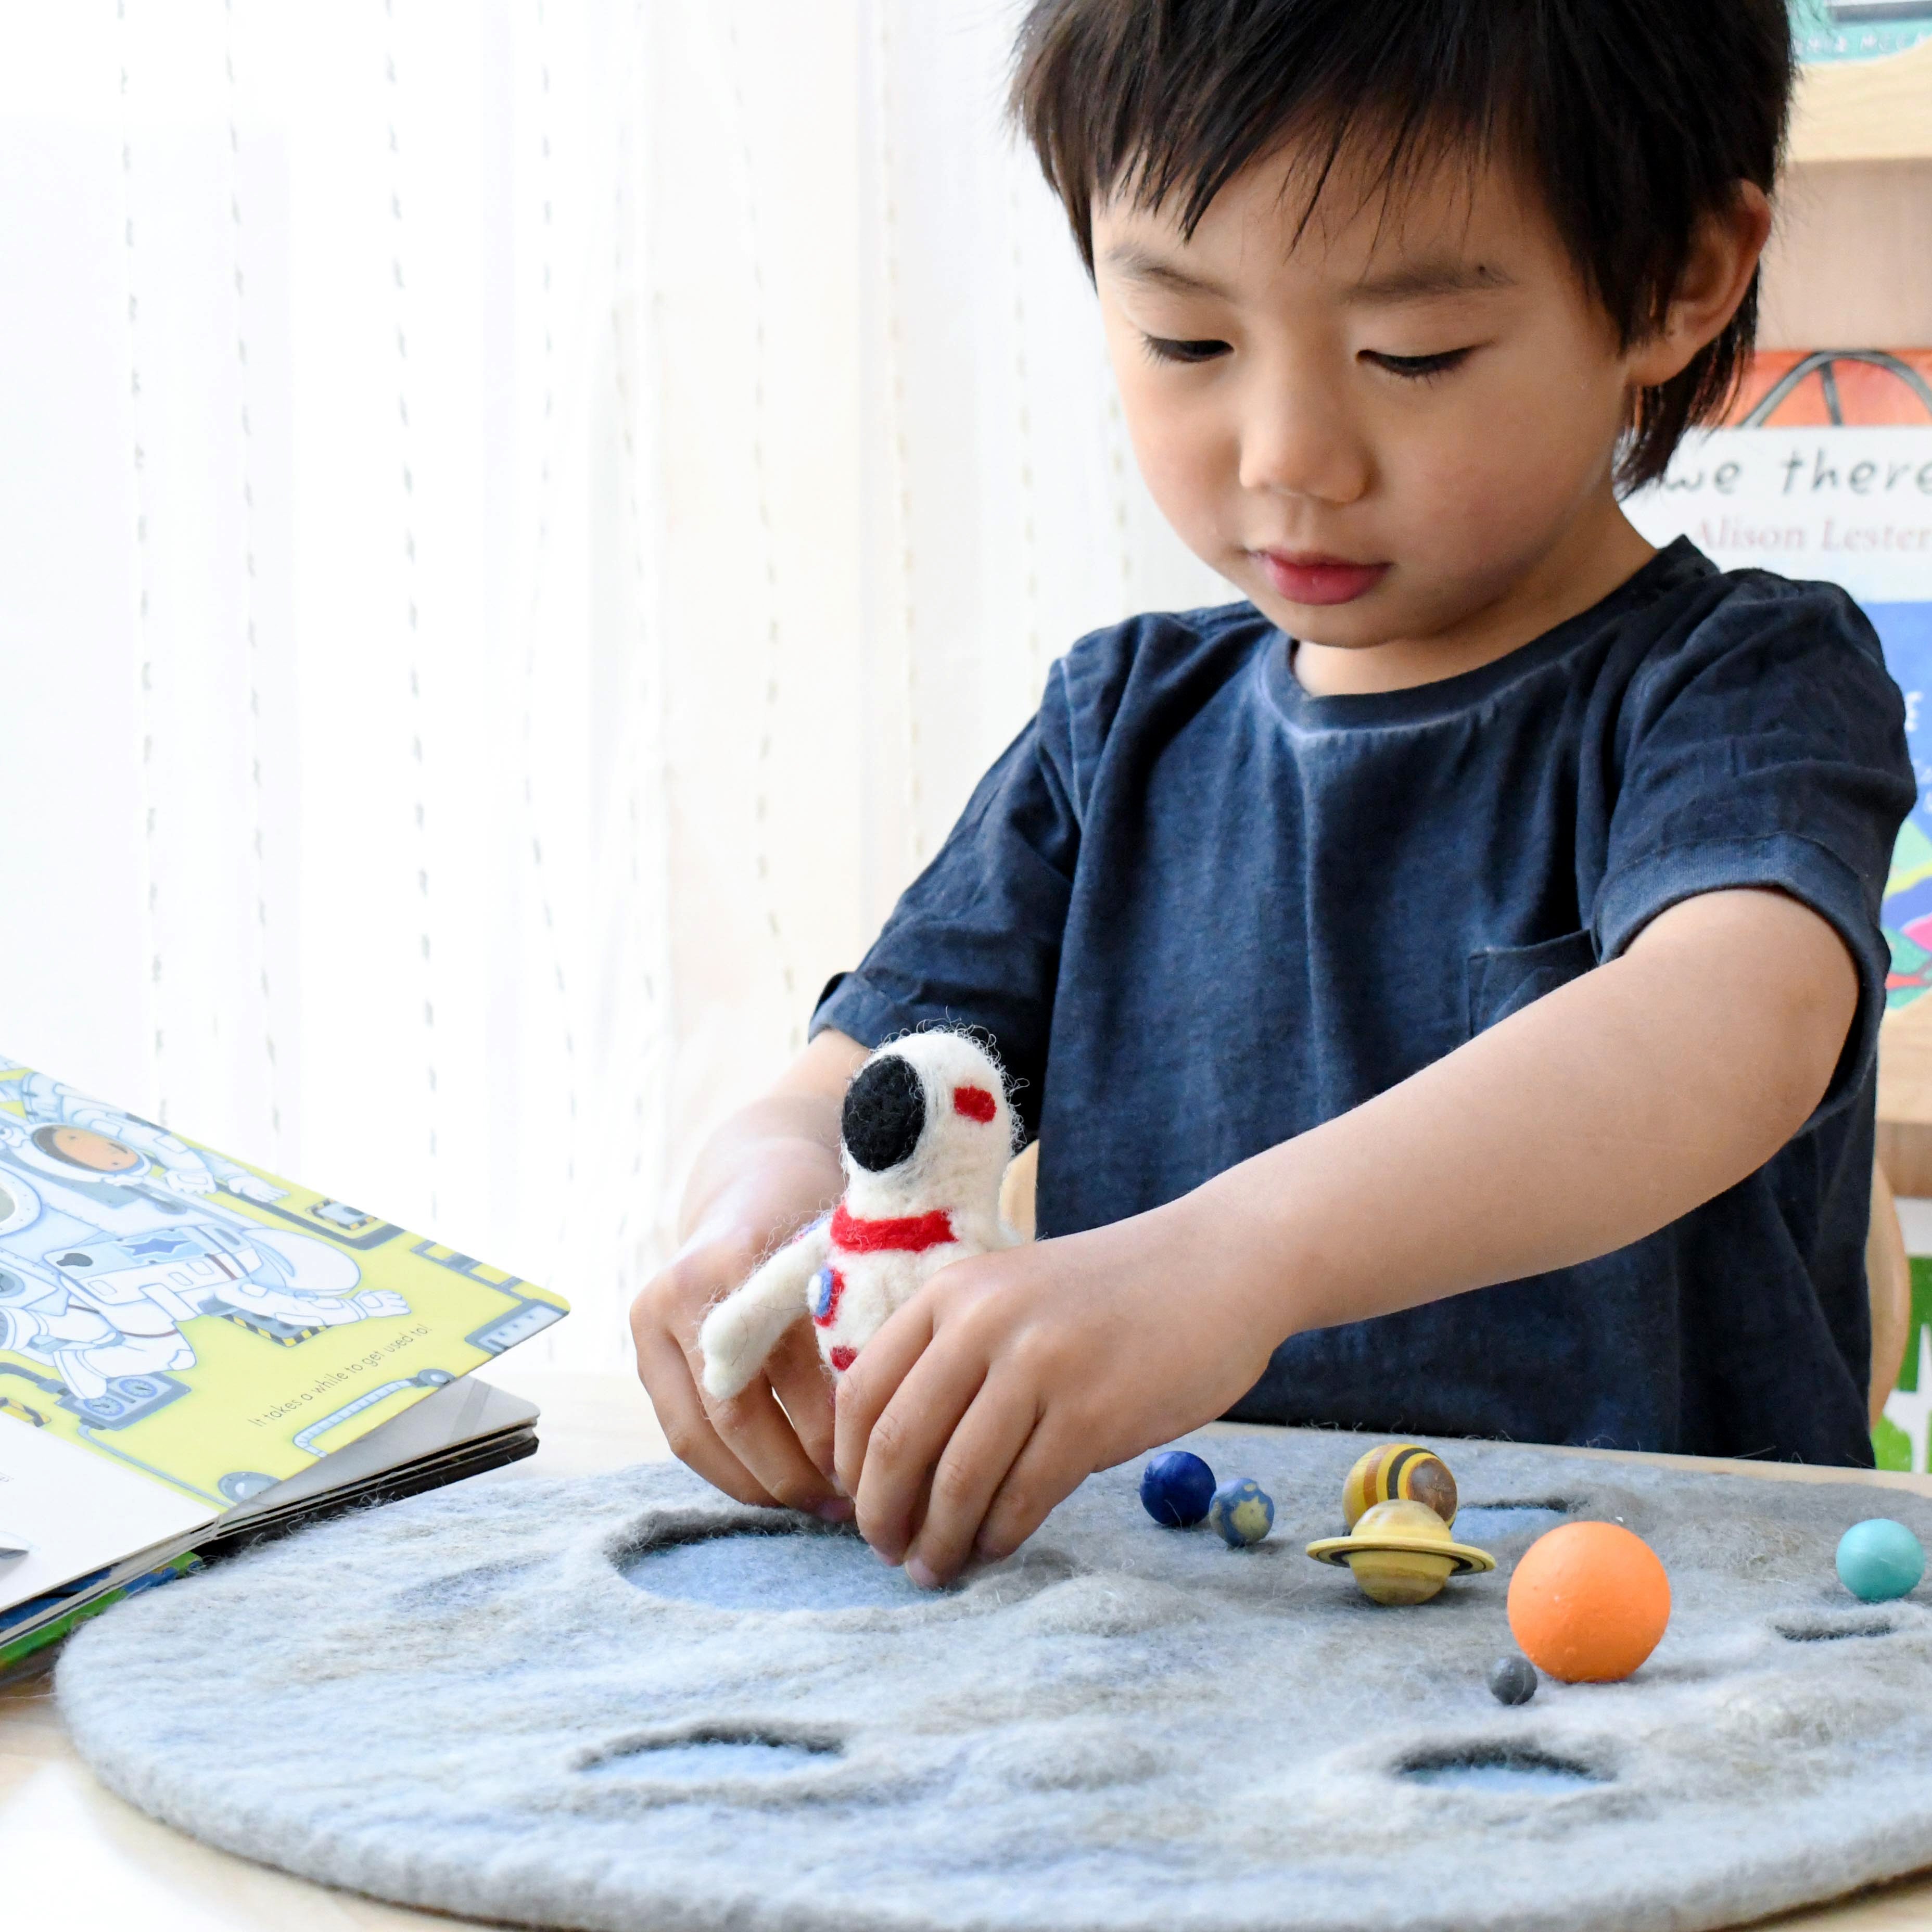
1585, 1121
771, 1168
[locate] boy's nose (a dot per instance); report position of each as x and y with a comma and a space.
1295, 441
884, 1113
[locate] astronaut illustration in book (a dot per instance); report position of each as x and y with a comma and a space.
112, 1234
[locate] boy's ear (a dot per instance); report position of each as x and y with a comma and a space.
1723, 256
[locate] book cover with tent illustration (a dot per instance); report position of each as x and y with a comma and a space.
1824, 470
181, 1332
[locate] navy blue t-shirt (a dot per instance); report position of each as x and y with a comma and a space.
1201, 911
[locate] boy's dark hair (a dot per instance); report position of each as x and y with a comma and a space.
1635, 118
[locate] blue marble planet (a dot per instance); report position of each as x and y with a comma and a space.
1879, 1559
1176, 1489
1241, 1513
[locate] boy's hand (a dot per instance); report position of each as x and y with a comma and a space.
772, 1442
768, 1172
1586, 1120
1011, 1377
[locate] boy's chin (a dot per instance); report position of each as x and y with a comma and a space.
1346, 628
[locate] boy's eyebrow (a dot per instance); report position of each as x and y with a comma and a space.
1135, 263
1446, 276
1412, 282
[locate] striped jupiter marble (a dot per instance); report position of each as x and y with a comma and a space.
1398, 1471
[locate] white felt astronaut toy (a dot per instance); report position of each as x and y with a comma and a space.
925, 1136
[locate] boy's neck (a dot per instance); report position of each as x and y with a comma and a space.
1600, 550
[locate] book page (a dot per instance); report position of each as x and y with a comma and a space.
197, 1322
65, 1513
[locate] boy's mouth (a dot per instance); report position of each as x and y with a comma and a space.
1307, 577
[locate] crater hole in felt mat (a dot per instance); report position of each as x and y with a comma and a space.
1498, 1522
1824, 1628
1500, 1767
1120, 1725
770, 1570
702, 1755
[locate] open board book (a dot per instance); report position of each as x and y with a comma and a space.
194, 1354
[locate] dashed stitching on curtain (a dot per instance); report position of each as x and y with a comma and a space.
886, 159
419, 710
252, 657
761, 802
539, 566
148, 846
644, 735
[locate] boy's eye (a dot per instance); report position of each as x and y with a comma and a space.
1166, 349
1416, 367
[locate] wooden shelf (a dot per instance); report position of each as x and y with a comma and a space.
1875, 110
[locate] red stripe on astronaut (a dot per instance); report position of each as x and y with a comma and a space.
909, 1234
975, 1103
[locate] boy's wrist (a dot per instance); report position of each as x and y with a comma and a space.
1261, 1259
763, 1166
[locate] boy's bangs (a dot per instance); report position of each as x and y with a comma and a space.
1634, 120
1172, 120
1350, 151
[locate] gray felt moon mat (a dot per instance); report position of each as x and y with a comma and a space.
625, 1702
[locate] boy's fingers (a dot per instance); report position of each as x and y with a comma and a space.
908, 1440
991, 1437
757, 1431
665, 1371
869, 1384
1052, 1466
799, 1380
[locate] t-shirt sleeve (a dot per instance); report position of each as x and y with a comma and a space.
976, 939
1768, 750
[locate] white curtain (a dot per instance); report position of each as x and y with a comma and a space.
519, 525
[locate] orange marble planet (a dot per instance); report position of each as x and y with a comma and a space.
1588, 1602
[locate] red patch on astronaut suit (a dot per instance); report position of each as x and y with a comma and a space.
842, 1358
909, 1234
975, 1103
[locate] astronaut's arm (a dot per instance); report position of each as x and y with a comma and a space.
185, 1170
241, 1181
744, 1328
66, 1324
302, 1309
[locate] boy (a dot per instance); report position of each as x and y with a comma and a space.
1445, 986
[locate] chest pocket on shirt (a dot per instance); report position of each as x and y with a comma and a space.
1504, 979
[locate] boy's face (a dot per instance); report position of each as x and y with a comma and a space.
1397, 431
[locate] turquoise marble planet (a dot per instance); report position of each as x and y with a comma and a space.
1879, 1559
1242, 1513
